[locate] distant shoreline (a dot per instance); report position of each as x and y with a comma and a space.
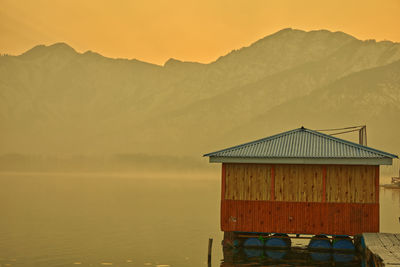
196, 174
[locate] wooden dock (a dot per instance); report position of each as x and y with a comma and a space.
382, 249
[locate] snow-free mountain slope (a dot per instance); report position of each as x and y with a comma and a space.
54, 100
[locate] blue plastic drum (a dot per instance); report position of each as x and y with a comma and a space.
320, 256
253, 252
343, 243
275, 254
253, 242
343, 257
278, 241
320, 242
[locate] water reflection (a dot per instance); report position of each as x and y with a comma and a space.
288, 257
389, 210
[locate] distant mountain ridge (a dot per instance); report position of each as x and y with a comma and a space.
54, 100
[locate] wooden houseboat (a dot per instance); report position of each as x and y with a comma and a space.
299, 182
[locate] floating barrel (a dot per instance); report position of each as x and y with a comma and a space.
343, 257
278, 241
320, 256
320, 242
364, 262
232, 254
252, 252
275, 254
253, 242
231, 243
343, 243
231, 240
236, 250
253, 247
236, 243
363, 246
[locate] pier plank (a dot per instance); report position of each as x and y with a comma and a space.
372, 239
385, 247
392, 239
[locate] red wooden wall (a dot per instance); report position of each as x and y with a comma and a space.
299, 217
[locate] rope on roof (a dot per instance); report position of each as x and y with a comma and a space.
356, 130
362, 129
337, 129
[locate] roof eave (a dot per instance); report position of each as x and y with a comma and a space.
328, 161
234, 149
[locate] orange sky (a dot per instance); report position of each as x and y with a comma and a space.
202, 30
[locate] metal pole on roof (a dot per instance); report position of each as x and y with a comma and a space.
362, 132
365, 135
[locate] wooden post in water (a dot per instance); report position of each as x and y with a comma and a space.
210, 241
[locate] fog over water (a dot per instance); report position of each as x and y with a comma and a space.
120, 219
127, 220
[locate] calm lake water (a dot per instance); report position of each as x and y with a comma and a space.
121, 220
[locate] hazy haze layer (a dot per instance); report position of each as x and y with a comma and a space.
54, 100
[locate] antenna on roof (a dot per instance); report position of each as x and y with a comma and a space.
362, 132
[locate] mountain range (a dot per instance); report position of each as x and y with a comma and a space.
54, 100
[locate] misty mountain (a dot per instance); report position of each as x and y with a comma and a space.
54, 100
368, 97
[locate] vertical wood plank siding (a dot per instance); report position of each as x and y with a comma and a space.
376, 184
350, 184
377, 193
323, 183
301, 183
299, 217
272, 182
247, 181
308, 199
223, 181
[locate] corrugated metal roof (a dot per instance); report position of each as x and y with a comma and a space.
301, 143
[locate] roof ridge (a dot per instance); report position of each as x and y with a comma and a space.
255, 141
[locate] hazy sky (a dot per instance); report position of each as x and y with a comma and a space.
201, 30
